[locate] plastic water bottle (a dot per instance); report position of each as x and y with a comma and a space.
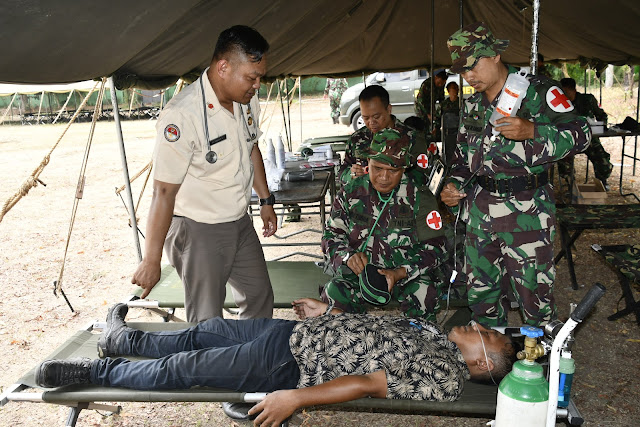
513, 92
329, 152
280, 153
567, 369
271, 152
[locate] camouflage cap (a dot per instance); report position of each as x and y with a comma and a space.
391, 147
471, 43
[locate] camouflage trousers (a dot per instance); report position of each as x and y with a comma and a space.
499, 263
597, 155
418, 298
334, 104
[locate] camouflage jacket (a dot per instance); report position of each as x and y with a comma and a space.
557, 134
360, 141
448, 106
408, 234
423, 99
587, 105
337, 85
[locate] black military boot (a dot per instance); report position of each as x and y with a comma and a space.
57, 373
116, 327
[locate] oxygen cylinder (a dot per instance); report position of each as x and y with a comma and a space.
513, 92
523, 395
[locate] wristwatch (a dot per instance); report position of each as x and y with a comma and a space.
271, 200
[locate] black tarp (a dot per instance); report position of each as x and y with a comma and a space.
151, 43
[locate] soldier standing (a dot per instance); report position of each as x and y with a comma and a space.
503, 185
424, 104
383, 219
334, 90
586, 105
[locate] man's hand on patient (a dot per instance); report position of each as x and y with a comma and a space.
357, 262
309, 307
275, 408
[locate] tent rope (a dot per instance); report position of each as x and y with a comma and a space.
33, 179
80, 188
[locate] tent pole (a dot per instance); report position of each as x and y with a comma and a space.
460, 84
125, 169
534, 36
63, 107
300, 99
433, 32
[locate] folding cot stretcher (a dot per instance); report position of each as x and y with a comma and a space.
290, 280
574, 219
477, 399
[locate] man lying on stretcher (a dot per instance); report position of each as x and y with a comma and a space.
324, 358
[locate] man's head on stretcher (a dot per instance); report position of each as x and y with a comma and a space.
489, 354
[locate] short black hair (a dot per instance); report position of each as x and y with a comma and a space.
414, 122
568, 82
452, 83
241, 39
374, 91
502, 363
442, 74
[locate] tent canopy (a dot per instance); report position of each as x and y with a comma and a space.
152, 43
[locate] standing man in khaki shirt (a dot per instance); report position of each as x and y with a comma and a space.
206, 160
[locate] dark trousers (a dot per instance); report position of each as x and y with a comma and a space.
244, 355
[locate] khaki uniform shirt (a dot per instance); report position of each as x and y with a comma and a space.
210, 193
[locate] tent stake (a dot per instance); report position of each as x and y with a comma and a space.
125, 169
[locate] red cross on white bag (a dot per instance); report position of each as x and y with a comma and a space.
423, 161
434, 220
558, 101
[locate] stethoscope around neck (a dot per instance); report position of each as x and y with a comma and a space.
211, 155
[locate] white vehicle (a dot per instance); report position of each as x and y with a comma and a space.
403, 88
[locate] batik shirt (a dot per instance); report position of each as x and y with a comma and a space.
419, 361
558, 132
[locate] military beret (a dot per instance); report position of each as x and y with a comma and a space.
471, 43
391, 147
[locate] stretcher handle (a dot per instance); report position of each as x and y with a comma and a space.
587, 303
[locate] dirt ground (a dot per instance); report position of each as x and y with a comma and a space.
102, 257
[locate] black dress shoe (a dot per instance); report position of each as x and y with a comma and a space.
116, 327
57, 373
238, 410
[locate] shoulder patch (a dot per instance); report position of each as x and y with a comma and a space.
171, 133
434, 220
558, 101
423, 161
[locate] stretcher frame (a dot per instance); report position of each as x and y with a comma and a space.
476, 400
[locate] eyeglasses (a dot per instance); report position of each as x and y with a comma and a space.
474, 325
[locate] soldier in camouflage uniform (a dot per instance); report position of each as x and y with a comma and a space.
503, 185
376, 113
586, 105
334, 90
381, 218
423, 99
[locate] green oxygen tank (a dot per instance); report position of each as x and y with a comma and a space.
523, 395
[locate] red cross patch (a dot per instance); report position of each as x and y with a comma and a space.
423, 161
558, 101
433, 148
434, 220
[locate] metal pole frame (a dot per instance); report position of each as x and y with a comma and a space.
535, 27
125, 168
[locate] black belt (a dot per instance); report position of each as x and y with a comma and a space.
515, 184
